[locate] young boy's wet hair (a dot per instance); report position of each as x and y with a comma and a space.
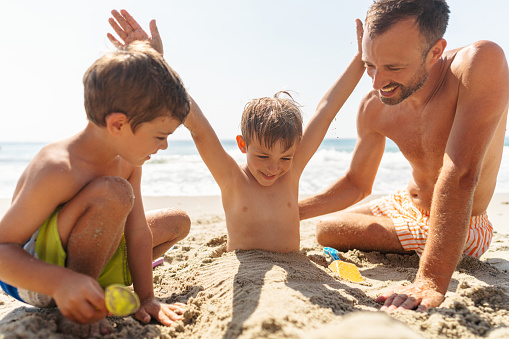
271, 120
137, 81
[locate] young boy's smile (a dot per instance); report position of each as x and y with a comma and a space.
268, 164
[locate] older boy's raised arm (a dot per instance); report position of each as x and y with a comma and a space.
329, 106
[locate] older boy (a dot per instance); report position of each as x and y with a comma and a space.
85, 192
260, 197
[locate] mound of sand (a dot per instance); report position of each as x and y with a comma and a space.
259, 294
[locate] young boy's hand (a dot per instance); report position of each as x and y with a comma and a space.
166, 314
360, 33
80, 299
129, 30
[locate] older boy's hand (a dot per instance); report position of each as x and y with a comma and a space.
80, 298
166, 314
129, 30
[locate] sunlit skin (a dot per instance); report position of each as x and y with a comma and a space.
266, 164
95, 177
451, 130
396, 70
148, 139
260, 197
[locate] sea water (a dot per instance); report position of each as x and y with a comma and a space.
179, 170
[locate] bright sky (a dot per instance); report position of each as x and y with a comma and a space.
227, 52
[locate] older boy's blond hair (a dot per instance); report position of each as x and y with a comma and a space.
272, 120
137, 81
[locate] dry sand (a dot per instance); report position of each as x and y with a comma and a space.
258, 294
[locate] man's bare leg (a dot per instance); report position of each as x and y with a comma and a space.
358, 228
90, 227
168, 226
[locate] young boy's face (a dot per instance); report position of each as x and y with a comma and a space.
268, 164
148, 138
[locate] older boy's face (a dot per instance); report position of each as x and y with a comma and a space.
268, 164
149, 138
395, 63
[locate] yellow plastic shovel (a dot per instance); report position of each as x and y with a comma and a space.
345, 270
120, 300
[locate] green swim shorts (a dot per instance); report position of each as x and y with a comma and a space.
48, 247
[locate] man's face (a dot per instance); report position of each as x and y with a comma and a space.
395, 62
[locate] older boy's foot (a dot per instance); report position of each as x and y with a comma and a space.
66, 326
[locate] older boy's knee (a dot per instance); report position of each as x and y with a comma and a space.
173, 223
181, 222
111, 192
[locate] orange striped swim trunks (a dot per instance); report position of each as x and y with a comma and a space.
411, 224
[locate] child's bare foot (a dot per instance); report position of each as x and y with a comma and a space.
66, 326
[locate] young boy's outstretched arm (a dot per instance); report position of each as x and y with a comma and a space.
129, 30
220, 164
218, 161
330, 105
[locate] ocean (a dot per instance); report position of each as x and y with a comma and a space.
179, 170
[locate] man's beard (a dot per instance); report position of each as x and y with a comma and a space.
417, 82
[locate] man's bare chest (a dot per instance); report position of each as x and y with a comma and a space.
421, 135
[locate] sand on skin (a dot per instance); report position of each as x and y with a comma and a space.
253, 294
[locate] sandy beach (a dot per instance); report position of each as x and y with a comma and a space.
258, 294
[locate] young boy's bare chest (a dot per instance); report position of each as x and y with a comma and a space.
263, 217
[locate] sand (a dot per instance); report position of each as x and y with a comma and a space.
258, 294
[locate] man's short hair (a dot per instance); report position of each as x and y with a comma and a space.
137, 81
272, 120
431, 16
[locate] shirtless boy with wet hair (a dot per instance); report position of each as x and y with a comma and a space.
447, 112
76, 223
260, 197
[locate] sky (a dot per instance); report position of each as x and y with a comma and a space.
226, 52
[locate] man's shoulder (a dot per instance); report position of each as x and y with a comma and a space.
477, 54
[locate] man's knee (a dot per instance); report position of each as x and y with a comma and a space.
327, 231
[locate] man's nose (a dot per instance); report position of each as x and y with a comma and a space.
379, 79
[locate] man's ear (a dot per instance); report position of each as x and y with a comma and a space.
241, 143
436, 51
116, 122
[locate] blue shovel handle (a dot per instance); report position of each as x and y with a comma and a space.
332, 252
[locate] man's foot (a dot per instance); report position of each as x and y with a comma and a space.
66, 326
